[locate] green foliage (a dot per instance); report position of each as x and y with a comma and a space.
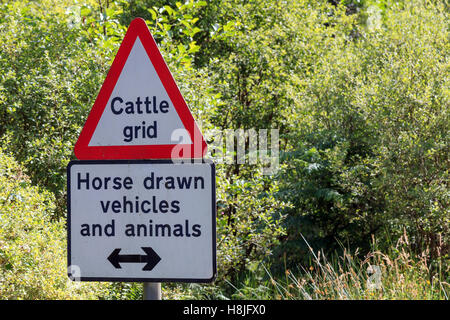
172, 24
358, 90
249, 221
48, 82
370, 151
32, 246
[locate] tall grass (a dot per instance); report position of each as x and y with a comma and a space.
397, 274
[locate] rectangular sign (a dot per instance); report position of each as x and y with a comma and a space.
141, 220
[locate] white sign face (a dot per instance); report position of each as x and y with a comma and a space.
141, 220
139, 110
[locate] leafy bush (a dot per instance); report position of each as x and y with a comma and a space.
248, 223
370, 151
48, 81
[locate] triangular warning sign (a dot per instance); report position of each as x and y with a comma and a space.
139, 112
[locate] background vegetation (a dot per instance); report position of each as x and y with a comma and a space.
358, 89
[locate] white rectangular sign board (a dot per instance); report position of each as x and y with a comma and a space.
141, 220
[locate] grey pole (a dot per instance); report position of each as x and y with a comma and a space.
152, 290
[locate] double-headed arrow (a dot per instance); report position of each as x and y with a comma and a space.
151, 258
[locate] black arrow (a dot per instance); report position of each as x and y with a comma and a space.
151, 258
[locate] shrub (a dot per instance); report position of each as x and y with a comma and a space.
370, 151
49, 76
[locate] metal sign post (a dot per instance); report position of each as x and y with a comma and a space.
152, 290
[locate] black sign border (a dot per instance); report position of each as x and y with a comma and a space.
128, 279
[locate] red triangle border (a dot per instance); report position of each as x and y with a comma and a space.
83, 151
